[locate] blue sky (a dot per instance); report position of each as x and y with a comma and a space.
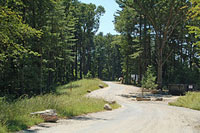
106, 24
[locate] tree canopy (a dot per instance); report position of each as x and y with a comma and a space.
48, 43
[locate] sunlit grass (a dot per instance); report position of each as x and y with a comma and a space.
80, 87
190, 100
68, 101
3, 129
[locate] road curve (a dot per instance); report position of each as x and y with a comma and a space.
132, 117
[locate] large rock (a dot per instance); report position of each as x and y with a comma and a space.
158, 99
89, 91
101, 86
48, 115
107, 107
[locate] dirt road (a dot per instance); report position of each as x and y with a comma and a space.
133, 117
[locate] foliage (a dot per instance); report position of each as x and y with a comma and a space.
13, 49
155, 33
89, 75
126, 24
149, 79
194, 28
106, 57
48, 43
16, 115
190, 100
43, 42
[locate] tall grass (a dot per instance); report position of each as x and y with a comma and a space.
190, 100
68, 101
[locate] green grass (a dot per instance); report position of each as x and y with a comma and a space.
190, 100
3, 129
67, 102
80, 87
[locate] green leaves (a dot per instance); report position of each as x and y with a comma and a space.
194, 15
13, 33
149, 79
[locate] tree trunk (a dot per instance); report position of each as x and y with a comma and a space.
81, 68
76, 63
159, 43
145, 57
127, 71
140, 58
159, 76
149, 47
160, 63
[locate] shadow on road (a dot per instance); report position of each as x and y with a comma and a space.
30, 131
149, 95
86, 118
42, 125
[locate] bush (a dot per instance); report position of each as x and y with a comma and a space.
149, 79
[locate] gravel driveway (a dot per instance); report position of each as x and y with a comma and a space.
132, 117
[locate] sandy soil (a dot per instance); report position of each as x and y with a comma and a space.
132, 117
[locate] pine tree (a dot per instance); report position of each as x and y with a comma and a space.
149, 79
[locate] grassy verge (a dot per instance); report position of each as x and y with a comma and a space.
67, 102
190, 100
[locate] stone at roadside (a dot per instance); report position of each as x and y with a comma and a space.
111, 102
133, 99
158, 99
89, 91
48, 115
101, 86
107, 107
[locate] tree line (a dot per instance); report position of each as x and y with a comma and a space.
48, 43
155, 33
45, 43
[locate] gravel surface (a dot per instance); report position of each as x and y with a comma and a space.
132, 117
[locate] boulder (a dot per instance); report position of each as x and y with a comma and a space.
107, 107
133, 99
159, 99
101, 86
48, 115
89, 91
50, 118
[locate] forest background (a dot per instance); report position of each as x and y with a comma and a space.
44, 44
